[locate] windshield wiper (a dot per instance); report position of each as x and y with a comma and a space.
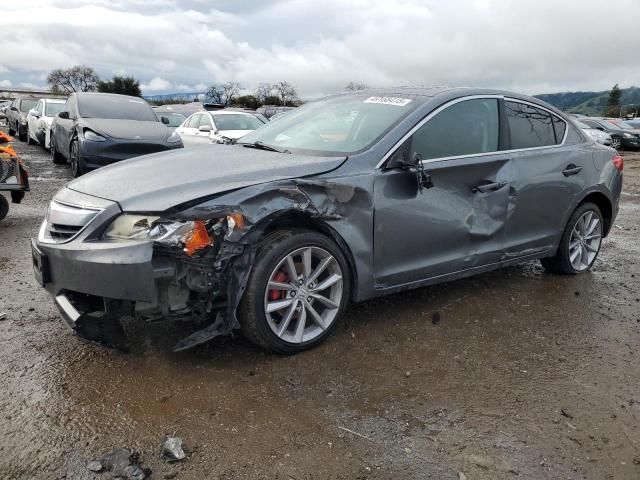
263, 146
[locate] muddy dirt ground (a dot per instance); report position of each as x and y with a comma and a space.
525, 374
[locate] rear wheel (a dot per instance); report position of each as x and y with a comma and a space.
296, 292
616, 142
580, 242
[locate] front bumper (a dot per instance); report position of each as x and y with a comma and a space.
100, 154
631, 143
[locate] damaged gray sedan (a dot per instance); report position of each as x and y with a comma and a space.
344, 199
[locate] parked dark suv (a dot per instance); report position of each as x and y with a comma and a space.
344, 199
98, 129
17, 116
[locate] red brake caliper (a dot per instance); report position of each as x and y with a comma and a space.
279, 294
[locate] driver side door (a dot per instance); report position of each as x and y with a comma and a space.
456, 223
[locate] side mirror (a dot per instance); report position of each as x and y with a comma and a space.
64, 115
600, 128
205, 128
15, 109
34, 113
164, 120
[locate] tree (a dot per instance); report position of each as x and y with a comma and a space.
247, 101
613, 102
286, 92
229, 90
214, 94
264, 91
121, 85
355, 86
80, 78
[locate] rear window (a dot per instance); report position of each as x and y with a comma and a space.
529, 126
115, 107
175, 119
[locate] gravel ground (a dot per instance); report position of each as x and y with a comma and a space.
520, 374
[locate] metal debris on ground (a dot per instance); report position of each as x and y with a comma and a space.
172, 450
123, 463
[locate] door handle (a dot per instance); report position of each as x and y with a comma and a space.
488, 187
571, 170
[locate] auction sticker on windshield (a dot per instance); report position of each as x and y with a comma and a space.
400, 102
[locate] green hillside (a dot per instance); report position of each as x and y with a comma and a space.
589, 103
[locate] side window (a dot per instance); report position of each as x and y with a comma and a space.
205, 120
529, 126
193, 121
465, 128
70, 107
559, 127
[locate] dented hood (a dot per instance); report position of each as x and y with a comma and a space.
157, 182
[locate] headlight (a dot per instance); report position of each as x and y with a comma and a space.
146, 227
93, 136
628, 135
174, 138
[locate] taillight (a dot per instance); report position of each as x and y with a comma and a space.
618, 162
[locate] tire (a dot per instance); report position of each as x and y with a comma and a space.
12, 132
55, 156
4, 206
30, 140
279, 330
77, 169
616, 143
578, 251
22, 134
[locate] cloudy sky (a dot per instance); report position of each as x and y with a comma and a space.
532, 46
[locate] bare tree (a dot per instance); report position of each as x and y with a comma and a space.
264, 91
215, 94
229, 90
286, 92
355, 86
80, 78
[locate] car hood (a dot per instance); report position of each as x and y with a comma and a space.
128, 129
158, 182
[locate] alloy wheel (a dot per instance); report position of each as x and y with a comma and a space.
585, 241
303, 295
75, 161
615, 143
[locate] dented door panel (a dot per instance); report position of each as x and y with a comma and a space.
448, 228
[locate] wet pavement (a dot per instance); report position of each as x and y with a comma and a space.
515, 373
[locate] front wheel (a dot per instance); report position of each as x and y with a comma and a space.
22, 133
296, 293
55, 156
4, 207
30, 140
580, 242
76, 161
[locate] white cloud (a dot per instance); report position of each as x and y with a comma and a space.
532, 46
157, 84
6, 83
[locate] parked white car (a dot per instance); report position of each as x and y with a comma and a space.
39, 120
218, 126
598, 135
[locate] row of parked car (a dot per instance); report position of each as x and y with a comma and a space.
90, 130
619, 133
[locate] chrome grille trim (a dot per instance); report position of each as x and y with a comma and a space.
65, 221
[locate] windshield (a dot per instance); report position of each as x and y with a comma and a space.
610, 125
115, 107
175, 119
582, 125
624, 125
238, 121
343, 124
52, 109
26, 105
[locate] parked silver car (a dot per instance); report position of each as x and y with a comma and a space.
599, 136
344, 199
